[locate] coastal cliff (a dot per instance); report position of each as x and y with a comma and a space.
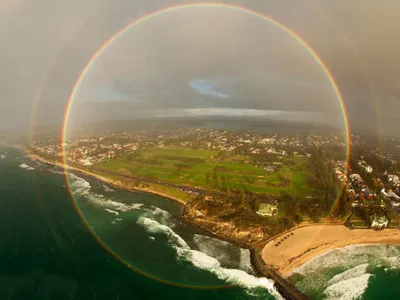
247, 236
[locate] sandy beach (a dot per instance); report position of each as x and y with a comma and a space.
111, 182
304, 243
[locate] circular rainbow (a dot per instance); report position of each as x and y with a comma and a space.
145, 18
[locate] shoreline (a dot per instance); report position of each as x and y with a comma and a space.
111, 182
299, 246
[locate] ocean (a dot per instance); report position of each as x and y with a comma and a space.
352, 272
112, 244
115, 244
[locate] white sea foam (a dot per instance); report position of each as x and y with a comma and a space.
354, 272
107, 189
111, 211
161, 216
205, 262
26, 167
155, 227
199, 259
348, 289
352, 256
119, 206
232, 276
226, 253
81, 187
392, 261
209, 242
245, 261
2, 156
355, 260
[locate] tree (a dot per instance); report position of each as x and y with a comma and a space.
298, 219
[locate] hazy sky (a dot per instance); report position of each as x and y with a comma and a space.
197, 58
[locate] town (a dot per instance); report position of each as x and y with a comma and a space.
299, 178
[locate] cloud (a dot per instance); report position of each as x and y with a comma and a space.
152, 64
204, 87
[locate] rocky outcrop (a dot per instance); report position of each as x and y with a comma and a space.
244, 235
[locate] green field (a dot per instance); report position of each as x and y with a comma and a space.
212, 170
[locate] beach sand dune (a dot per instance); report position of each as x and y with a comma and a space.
294, 248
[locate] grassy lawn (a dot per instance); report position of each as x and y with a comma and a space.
171, 191
207, 169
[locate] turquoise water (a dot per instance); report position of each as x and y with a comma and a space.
46, 251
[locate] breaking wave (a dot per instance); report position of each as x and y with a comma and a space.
26, 167
352, 256
231, 276
344, 273
2, 156
110, 204
354, 272
226, 253
153, 226
348, 289
206, 262
81, 187
161, 216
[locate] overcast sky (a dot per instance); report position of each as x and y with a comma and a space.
197, 58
